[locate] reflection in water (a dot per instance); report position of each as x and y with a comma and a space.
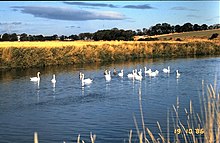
177, 81
107, 87
132, 80
85, 90
54, 90
82, 91
54, 87
37, 89
38, 96
38, 84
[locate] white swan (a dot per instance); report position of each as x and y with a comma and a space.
131, 75
135, 72
177, 74
53, 80
138, 77
105, 72
140, 72
86, 81
108, 76
36, 78
121, 73
147, 71
80, 75
166, 70
153, 74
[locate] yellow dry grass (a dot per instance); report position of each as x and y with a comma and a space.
36, 54
54, 44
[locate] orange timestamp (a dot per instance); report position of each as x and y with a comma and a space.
198, 131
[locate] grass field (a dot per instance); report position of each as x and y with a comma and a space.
37, 54
196, 35
56, 44
201, 36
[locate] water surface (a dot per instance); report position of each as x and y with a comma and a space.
62, 111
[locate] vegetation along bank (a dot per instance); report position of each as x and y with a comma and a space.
39, 54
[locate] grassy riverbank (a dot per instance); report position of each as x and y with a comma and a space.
37, 54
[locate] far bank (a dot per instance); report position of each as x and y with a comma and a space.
41, 54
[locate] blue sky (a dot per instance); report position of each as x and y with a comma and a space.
74, 17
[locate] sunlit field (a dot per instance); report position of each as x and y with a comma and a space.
193, 36
38, 54
53, 44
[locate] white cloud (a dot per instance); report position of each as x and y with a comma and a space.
62, 13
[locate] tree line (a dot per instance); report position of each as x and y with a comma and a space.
166, 28
113, 34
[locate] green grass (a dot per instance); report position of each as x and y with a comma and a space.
196, 35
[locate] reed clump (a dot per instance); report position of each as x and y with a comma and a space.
198, 128
38, 54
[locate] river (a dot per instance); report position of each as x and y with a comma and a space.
62, 111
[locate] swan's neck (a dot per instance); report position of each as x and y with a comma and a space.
82, 77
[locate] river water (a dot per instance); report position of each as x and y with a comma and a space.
62, 111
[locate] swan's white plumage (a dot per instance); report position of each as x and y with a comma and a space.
153, 74
147, 71
108, 76
121, 74
166, 70
140, 72
53, 80
177, 74
138, 77
36, 78
131, 75
86, 81
80, 75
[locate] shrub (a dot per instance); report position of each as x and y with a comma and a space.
178, 39
215, 35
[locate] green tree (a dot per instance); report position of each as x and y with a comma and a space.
24, 37
74, 37
204, 27
166, 28
13, 37
85, 36
196, 27
139, 32
5, 37
187, 27
55, 37
177, 28
62, 37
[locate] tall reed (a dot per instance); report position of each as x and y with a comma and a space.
44, 54
204, 128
